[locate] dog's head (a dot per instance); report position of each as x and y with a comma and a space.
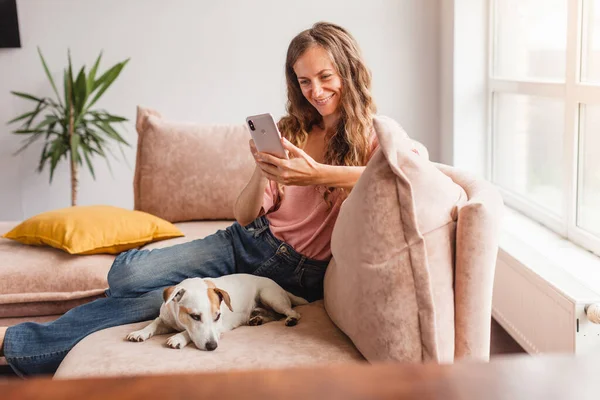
199, 310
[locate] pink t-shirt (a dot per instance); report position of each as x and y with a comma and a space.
303, 219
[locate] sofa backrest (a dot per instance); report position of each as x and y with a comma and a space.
189, 171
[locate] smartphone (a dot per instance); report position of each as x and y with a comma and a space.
265, 134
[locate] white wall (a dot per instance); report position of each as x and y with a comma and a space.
204, 61
464, 139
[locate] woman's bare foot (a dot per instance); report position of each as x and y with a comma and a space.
2, 333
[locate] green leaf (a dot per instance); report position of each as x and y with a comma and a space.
50, 129
95, 136
71, 86
104, 116
66, 87
58, 149
53, 105
106, 128
99, 141
43, 158
53, 162
86, 152
26, 131
106, 80
115, 118
28, 142
80, 91
37, 110
92, 76
48, 74
26, 96
69, 90
47, 121
20, 117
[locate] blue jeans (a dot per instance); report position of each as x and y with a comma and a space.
136, 281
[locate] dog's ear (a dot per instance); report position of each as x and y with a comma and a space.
224, 296
173, 293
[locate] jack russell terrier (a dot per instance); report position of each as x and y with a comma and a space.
195, 309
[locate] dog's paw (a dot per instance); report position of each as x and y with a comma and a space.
176, 342
255, 321
291, 321
139, 336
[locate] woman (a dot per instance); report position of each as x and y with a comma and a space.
284, 215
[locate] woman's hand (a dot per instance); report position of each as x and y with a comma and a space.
254, 152
300, 170
258, 170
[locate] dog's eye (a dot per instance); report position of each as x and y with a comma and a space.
218, 316
196, 317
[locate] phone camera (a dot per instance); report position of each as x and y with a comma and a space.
251, 125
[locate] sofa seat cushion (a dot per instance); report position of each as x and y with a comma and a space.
44, 281
33, 274
314, 341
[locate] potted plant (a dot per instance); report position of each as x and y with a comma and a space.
70, 127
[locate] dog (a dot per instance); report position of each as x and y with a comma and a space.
201, 309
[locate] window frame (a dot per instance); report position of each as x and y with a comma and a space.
575, 93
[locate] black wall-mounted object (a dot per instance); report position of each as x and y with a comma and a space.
9, 24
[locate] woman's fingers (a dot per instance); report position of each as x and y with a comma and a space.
266, 171
270, 159
271, 169
253, 148
292, 150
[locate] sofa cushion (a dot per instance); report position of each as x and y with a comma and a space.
43, 280
98, 229
189, 171
32, 274
314, 341
389, 286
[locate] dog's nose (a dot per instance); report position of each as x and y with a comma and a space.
210, 346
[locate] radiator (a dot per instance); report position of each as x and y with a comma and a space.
542, 307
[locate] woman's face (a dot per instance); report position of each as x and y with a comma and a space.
320, 83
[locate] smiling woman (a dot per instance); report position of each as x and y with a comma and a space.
329, 135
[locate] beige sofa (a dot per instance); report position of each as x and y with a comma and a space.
39, 284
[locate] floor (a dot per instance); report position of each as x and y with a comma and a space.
501, 343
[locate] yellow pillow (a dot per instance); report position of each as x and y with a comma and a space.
93, 229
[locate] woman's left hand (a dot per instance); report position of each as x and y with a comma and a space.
300, 170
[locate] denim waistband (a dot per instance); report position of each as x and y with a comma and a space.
261, 224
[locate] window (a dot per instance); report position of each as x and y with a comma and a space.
544, 93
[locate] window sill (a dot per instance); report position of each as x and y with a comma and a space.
570, 269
